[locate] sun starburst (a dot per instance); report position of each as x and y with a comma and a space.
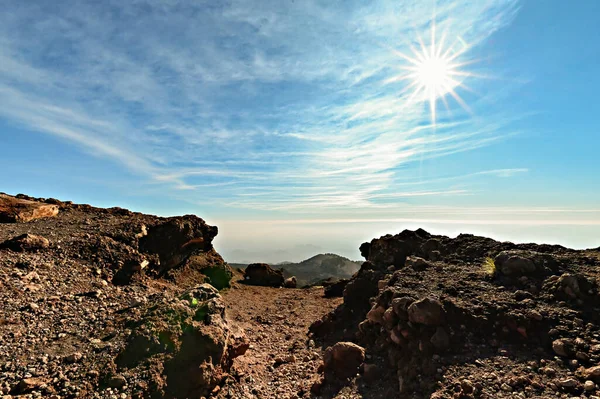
434, 71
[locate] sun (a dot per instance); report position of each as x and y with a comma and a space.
434, 71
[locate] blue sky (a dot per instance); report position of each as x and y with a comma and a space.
281, 121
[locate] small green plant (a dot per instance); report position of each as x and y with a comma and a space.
489, 266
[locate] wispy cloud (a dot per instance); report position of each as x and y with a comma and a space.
234, 101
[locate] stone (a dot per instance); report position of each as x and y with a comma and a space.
17, 210
563, 347
589, 386
290, 282
262, 274
29, 384
74, 357
117, 381
400, 306
427, 311
569, 383
592, 373
467, 387
343, 359
388, 250
417, 264
188, 338
26, 242
513, 264
375, 315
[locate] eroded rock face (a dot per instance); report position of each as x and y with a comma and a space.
185, 342
264, 275
17, 210
177, 238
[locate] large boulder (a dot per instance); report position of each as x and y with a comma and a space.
17, 210
177, 238
517, 263
388, 251
184, 342
264, 275
183, 247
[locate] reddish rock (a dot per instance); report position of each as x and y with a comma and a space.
343, 359
17, 210
26, 242
262, 274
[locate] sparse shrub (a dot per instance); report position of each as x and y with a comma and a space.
489, 266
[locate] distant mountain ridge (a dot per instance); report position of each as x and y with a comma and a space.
315, 269
320, 267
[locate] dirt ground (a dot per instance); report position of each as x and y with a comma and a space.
282, 361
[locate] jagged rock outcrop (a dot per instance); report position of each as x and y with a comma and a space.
263, 274
437, 318
185, 343
21, 210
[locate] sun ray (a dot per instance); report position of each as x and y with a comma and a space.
434, 70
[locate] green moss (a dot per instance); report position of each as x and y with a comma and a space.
218, 276
201, 313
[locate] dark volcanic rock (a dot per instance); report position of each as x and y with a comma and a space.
185, 343
177, 238
335, 288
445, 324
263, 274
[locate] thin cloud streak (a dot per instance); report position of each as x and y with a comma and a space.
178, 97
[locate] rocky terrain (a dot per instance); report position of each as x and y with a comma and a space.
469, 318
108, 303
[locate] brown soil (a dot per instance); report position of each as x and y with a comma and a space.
282, 361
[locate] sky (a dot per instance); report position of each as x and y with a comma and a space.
294, 125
